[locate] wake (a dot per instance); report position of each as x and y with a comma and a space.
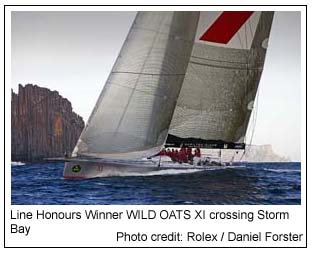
163, 171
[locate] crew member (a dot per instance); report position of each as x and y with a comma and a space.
197, 152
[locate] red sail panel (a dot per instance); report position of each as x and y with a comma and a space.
226, 26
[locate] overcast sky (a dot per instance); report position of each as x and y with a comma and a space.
73, 53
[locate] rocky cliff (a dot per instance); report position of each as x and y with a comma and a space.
42, 124
262, 153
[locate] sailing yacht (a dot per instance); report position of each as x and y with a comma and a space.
181, 79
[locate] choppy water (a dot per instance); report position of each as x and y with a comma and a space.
252, 183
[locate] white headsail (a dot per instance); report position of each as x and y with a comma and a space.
132, 116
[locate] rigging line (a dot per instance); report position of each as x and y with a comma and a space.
159, 161
245, 26
244, 152
247, 76
255, 118
248, 63
251, 32
253, 125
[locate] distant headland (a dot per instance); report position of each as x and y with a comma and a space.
43, 124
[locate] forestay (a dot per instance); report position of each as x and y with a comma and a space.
133, 113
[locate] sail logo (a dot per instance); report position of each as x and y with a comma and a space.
226, 26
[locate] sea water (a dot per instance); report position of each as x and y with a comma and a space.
242, 184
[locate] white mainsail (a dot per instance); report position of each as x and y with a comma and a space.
222, 78
133, 113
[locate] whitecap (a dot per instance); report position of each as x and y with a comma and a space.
17, 164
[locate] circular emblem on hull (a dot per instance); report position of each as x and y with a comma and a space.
76, 168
